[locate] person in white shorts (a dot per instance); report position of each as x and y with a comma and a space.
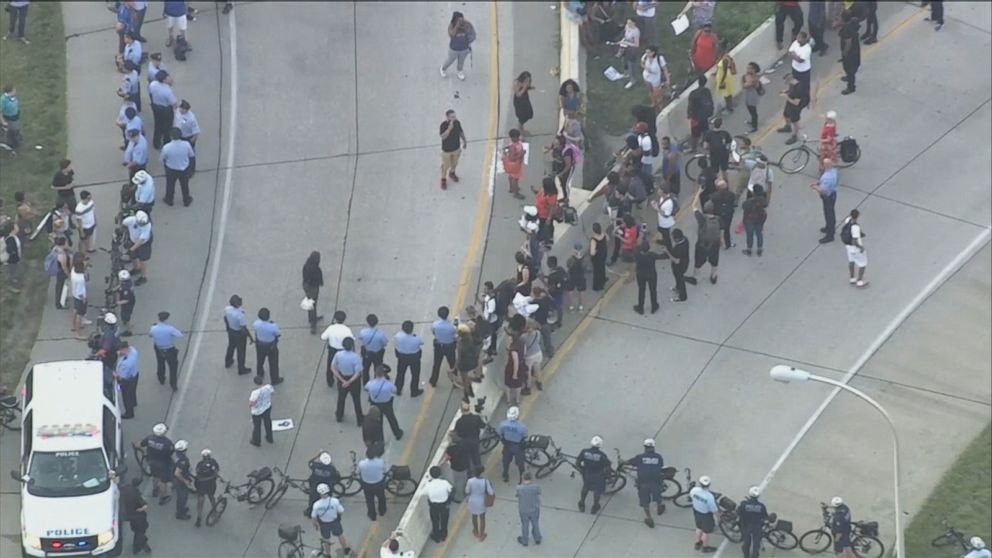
533, 355
175, 20
853, 238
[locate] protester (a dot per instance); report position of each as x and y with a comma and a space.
850, 50
529, 507
461, 35
522, 108
452, 142
853, 237
480, 494
791, 10
725, 79
753, 90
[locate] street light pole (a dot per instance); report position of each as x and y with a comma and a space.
786, 374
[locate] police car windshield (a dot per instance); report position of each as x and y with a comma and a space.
68, 473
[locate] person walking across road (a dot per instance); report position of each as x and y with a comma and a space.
649, 465
175, 19
374, 343
126, 373
444, 343
481, 495
522, 108
850, 50
439, 503
452, 142
164, 337
313, 280
164, 103
461, 35
853, 238
826, 187
409, 351
752, 514
529, 507
595, 466
189, 129
372, 475
176, 157
334, 335
267, 346
238, 335
647, 276
381, 392
704, 509
512, 433
326, 515
513, 162
796, 99
260, 406
347, 369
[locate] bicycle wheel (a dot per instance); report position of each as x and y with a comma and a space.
682, 500
815, 542
401, 488
670, 489
289, 549
867, 547
536, 457
692, 168
947, 539
615, 482
259, 491
794, 160
488, 442
841, 164
213, 516
10, 418
548, 468
143, 464
782, 539
731, 529
348, 486
276, 495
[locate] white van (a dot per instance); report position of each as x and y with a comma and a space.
71, 441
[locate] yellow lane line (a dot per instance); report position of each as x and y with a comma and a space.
372, 539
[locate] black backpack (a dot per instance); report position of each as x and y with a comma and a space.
848, 150
655, 145
179, 48
845, 233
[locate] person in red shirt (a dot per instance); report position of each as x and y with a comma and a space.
513, 163
546, 201
704, 47
828, 138
628, 235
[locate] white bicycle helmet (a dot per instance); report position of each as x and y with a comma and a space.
110, 318
124, 275
977, 543
596, 442
181, 445
836, 501
754, 492
324, 458
141, 217
160, 429
323, 489
704, 481
205, 453
513, 413
139, 177
649, 442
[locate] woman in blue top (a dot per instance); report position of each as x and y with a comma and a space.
461, 35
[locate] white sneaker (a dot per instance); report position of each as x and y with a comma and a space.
86, 322
461, 76
852, 280
443, 73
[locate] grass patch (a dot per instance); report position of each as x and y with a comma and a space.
962, 497
37, 71
609, 103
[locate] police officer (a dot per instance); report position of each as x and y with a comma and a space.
381, 392
158, 453
182, 478
374, 344
237, 334
326, 515
139, 231
840, 527
267, 346
372, 475
704, 509
126, 373
125, 300
164, 103
978, 549
409, 350
164, 337
322, 471
444, 343
135, 153
109, 340
752, 515
595, 465
649, 464
513, 433
347, 369
207, 473
144, 191
189, 129
177, 156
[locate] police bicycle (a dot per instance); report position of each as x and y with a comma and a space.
795, 160
864, 537
10, 410
951, 537
141, 456
670, 486
776, 531
285, 483
399, 481
255, 490
292, 545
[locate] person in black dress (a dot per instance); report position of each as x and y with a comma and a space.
521, 100
313, 279
597, 254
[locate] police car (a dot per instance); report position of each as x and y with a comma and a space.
71, 442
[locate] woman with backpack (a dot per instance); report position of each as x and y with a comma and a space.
754, 218
753, 90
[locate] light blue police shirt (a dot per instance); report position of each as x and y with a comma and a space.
380, 390
512, 431
408, 343
132, 52
176, 154
145, 192
265, 332
127, 366
372, 471
348, 363
372, 339
137, 151
161, 94
702, 500
135, 124
236, 319
164, 335
187, 123
444, 332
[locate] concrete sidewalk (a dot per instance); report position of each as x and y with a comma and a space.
695, 375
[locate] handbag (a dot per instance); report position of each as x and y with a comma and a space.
306, 304
490, 496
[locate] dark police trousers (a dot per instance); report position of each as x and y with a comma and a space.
442, 351
751, 543
368, 359
171, 175
375, 493
829, 217
182, 497
331, 351
355, 389
513, 451
412, 362
439, 520
168, 356
267, 351
237, 340
129, 395
595, 483
163, 115
139, 525
387, 411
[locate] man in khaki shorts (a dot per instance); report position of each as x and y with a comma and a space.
452, 142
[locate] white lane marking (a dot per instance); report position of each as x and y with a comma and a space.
928, 290
207, 308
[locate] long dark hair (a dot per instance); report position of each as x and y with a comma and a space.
313, 260
455, 16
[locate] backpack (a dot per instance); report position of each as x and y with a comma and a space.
655, 145
845, 233
557, 280
711, 233
567, 214
848, 150
675, 205
180, 48
52, 265
760, 90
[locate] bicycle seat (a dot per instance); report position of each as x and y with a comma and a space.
669, 472
289, 532
400, 472
8, 400
260, 474
538, 441
727, 504
867, 527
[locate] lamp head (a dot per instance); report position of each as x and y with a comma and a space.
786, 374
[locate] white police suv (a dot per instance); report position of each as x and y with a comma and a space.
71, 446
